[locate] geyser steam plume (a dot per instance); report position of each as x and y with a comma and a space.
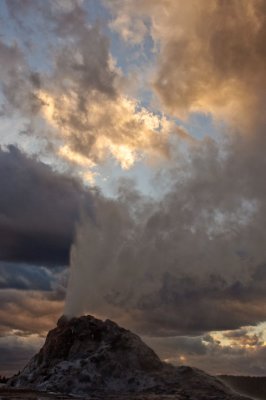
194, 260
162, 266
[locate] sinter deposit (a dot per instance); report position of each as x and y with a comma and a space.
89, 356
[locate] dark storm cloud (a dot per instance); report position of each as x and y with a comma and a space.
185, 305
38, 210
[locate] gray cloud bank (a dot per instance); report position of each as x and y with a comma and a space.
38, 210
211, 355
24, 277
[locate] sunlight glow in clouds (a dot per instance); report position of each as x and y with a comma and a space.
117, 127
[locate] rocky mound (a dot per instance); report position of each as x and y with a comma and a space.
88, 356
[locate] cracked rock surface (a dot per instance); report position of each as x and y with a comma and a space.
99, 359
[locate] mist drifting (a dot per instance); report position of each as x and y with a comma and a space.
191, 261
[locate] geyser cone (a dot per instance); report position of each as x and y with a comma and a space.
86, 355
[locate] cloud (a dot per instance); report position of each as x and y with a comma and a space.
211, 57
212, 355
38, 210
78, 104
32, 300
104, 128
36, 311
34, 295
24, 277
177, 346
17, 82
16, 352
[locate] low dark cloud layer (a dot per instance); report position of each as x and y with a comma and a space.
24, 277
35, 311
32, 299
38, 210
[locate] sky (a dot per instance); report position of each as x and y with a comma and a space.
132, 175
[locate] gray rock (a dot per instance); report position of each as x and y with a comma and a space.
87, 356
